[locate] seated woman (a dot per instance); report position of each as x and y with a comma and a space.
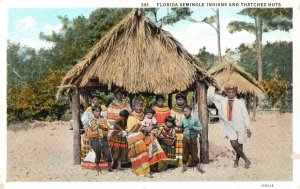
145, 154
167, 139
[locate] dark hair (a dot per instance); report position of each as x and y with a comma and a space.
160, 96
188, 107
150, 110
95, 108
124, 113
170, 119
95, 96
119, 90
180, 95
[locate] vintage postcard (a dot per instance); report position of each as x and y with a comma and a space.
150, 94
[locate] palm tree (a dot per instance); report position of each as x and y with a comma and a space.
265, 20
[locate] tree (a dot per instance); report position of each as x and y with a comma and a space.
80, 34
206, 57
33, 76
265, 20
277, 58
214, 22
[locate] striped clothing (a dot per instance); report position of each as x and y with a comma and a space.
143, 153
115, 108
177, 113
118, 143
161, 113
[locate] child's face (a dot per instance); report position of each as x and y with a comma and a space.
96, 114
187, 112
149, 115
169, 124
95, 101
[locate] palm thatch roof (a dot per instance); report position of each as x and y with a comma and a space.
140, 57
225, 72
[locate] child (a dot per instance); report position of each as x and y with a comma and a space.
97, 136
118, 140
167, 138
149, 124
191, 128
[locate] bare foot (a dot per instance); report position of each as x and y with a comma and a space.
247, 165
148, 175
236, 164
120, 169
201, 171
110, 170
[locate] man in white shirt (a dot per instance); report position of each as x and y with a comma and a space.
234, 119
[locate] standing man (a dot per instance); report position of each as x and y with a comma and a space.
177, 113
234, 119
191, 128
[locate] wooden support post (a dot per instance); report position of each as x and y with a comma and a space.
76, 126
170, 100
203, 117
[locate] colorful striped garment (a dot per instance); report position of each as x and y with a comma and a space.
114, 108
143, 153
177, 113
161, 113
118, 143
168, 143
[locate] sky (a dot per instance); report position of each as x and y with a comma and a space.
25, 24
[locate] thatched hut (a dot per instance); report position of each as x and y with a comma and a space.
142, 58
248, 86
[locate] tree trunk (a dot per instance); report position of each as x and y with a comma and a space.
219, 35
254, 107
203, 117
76, 126
259, 49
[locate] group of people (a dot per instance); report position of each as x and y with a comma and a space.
160, 137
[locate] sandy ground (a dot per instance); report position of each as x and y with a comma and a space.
43, 152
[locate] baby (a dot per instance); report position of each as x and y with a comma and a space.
149, 124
